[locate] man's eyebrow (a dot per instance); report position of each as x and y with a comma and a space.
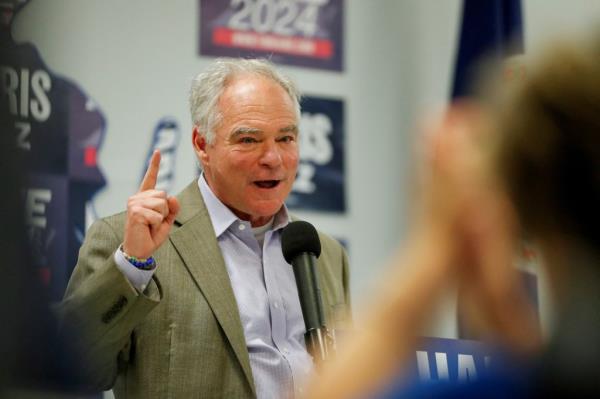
289, 129
252, 130
244, 130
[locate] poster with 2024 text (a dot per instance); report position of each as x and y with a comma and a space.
306, 33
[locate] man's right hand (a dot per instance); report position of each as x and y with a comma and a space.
150, 215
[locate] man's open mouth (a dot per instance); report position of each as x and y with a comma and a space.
267, 183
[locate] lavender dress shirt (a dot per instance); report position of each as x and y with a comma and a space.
265, 291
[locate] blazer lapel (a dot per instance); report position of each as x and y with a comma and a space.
197, 245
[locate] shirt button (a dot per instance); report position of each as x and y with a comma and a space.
286, 350
242, 226
276, 305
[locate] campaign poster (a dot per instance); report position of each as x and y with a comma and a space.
165, 138
457, 360
46, 216
321, 179
57, 130
307, 33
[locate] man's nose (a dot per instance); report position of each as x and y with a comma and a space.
271, 155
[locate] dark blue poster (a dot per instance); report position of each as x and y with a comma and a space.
296, 32
320, 183
46, 218
442, 367
452, 359
165, 138
58, 130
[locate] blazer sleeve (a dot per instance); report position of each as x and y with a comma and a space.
101, 308
334, 276
346, 284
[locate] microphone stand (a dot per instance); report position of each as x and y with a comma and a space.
320, 343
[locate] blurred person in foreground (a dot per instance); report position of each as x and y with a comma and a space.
523, 160
190, 296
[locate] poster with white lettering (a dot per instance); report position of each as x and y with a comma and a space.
305, 33
455, 360
320, 182
165, 139
58, 129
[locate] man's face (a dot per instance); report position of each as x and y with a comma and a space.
251, 165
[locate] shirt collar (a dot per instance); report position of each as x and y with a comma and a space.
222, 217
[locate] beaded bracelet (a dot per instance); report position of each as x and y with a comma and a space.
140, 263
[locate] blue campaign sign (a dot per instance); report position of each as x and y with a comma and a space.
457, 368
320, 182
58, 129
453, 360
296, 32
165, 138
46, 216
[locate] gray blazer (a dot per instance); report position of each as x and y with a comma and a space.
182, 337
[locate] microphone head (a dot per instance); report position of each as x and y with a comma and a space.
298, 237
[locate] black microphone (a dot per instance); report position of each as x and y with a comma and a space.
301, 248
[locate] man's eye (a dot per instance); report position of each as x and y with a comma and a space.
287, 139
247, 140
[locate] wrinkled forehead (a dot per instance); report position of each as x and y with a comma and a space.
255, 91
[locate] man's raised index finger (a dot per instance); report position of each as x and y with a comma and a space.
149, 180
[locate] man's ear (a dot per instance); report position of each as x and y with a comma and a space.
199, 143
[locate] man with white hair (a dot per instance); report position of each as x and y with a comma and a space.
190, 296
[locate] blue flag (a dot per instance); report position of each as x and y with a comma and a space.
490, 28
